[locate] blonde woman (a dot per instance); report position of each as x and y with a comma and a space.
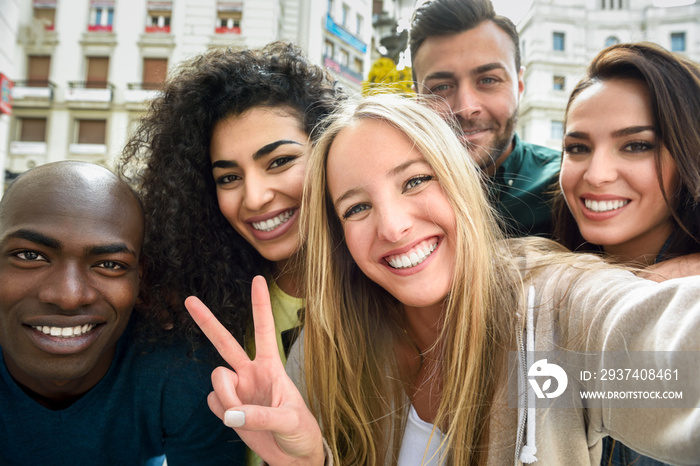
413, 303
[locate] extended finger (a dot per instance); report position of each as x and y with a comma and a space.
265, 336
223, 341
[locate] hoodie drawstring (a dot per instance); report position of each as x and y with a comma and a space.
527, 454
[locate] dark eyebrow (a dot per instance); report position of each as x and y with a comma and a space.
616, 134
36, 237
487, 67
224, 164
576, 135
476, 71
266, 149
260, 153
117, 248
631, 130
439, 75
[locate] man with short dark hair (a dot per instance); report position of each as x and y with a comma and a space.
466, 54
76, 386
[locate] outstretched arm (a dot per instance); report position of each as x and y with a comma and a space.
682, 266
259, 400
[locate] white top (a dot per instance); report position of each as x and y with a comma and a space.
415, 439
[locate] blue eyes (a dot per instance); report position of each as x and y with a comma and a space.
410, 184
356, 209
413, 182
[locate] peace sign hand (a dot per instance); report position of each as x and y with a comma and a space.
259, 400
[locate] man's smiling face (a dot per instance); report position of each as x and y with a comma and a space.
70, 240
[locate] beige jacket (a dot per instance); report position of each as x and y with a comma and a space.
580, 309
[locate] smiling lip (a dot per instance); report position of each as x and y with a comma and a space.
470, 134
272, 225
412, 259
602, 207
72, 339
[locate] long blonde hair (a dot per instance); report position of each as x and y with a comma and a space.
353, 325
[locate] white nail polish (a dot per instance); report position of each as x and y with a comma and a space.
233, 418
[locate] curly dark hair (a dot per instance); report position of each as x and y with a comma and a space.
190, 247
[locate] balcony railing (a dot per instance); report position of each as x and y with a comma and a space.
89, 91
27, 148
99, 28
142, 92
33, 89
342, 70
227, 30
87, 149
157, 29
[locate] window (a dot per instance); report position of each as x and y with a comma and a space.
346, 14
329, 49
38, 67
359, 23
557, 129
32, 129
154, 71
344, 58
611, 4
101, 15
357, 65
91, 131
558, 41
159, 13
229, 16
97, 72
558, 83
45, 13
678, 42
612, 40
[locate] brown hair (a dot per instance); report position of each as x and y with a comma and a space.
445, 17
674, 90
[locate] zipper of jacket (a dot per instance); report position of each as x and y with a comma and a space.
522, 417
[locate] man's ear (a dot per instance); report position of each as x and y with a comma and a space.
521, 81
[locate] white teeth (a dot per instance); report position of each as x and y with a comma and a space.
604, 206
272, 223
413, 257
65, 332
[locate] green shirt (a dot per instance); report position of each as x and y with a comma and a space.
521, 189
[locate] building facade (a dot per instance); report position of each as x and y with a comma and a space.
85, 70
9, 20
559, 38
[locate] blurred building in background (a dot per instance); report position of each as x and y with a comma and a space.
9, 21
77, 74
83, 71
559, 38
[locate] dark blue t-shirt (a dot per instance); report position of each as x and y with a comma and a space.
149, 404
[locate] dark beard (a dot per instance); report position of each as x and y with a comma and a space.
500, 144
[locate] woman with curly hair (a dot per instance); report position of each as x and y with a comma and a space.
219, 161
